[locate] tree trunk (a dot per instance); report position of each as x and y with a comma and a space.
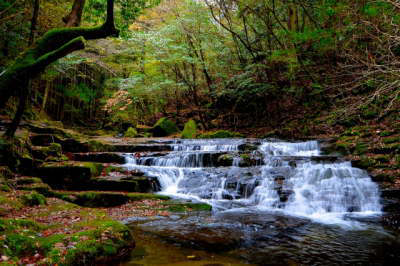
73, 19
34, 21
53, 45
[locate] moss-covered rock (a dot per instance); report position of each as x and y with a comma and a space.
225, 160
164, 127
33, 199
53, 151
220, 134
190, 130
69, 175
97, 146
130, 133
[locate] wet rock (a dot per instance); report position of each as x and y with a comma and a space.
247, 147
248, 160
391, 193
231, 185
225, 160
246, 189
214, 238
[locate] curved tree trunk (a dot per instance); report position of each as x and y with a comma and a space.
53, 45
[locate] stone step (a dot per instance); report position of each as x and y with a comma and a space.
94, 176
101, 157
67, 144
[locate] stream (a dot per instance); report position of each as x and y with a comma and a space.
274, 203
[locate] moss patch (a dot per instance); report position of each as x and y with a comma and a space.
130, 133
190, 130
64, 234
220, 134
164, 127
33, 199
176, 206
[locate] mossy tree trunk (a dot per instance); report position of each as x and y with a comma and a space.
53, 45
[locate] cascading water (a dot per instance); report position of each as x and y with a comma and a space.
293, 178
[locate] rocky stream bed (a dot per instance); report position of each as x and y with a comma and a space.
198, 202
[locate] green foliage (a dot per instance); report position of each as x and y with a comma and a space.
190, 130
130, 133
126, 12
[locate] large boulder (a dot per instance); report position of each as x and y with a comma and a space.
190, 130
164, 127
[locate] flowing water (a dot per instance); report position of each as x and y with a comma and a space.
272, 200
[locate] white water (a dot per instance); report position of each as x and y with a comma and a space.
289, 181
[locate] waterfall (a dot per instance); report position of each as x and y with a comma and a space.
293, 178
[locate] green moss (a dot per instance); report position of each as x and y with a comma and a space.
33, 199
5, 187
97, 146
130, 133
344, 147
20, 237
107, 240
386, 133
164, 127
361, 148
28, 180
390, 140
383, 158
366, 162
90, 247
142, 196
220, 134
174, 206
95, 168
190, 130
